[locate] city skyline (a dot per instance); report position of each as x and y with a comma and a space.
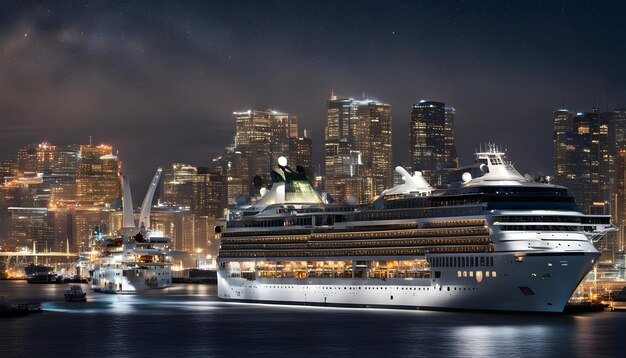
312, 178
69, 77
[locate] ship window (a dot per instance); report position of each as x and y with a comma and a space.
464, 273
459, 274
493, 274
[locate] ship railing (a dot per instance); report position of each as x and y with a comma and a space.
596, 236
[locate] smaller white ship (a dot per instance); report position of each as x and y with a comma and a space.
136, 259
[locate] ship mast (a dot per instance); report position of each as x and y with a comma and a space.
144, 217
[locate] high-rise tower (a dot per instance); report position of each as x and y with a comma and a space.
431, 136
452, 156
261, 137
561, 139
97, 176
584, 150
357, 149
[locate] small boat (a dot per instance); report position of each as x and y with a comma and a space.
75, 294
8, 309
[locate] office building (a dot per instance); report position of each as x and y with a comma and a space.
357, 148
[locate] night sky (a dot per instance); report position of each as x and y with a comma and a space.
159, 80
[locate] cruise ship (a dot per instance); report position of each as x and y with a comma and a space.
135, 259
495, 240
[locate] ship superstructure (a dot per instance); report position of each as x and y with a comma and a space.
493, 241
136, 258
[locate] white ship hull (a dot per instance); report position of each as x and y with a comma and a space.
127, 280
528, 285
496, 242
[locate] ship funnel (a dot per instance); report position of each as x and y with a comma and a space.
128, 217
144, 217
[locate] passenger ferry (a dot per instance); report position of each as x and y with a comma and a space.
493, 241
136, 259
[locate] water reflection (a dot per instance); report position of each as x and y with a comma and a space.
163, 302
189, 320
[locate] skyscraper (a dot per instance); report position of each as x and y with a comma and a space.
588, 164
261, 136
36, 158
234, 168
450, 152
198, 189
301, 153
562, 137
620, 198
176, 223
585, 158
31, 227
97, 176
357, 149
177, 184
209, 197
619, 118
431, 136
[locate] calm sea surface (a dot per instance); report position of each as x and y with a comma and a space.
188, 320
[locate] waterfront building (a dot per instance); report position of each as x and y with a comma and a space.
63, 229
74, 184
431, 138
204, 235
619, 217
357, 134
584, 148
31, 227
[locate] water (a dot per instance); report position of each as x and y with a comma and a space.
188, 320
